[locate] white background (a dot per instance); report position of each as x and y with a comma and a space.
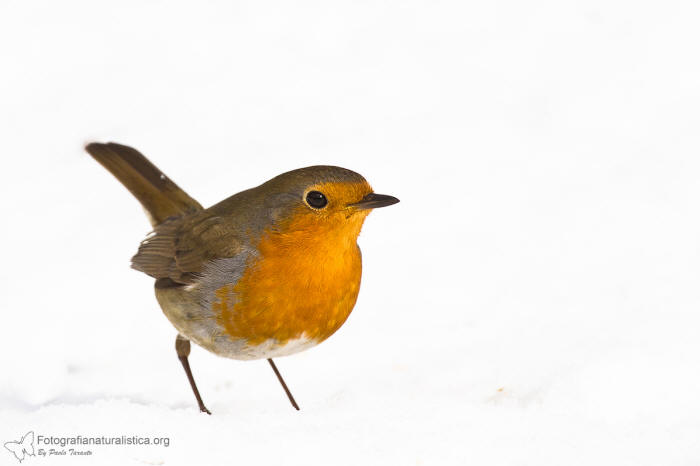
533, 299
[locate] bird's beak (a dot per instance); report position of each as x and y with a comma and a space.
372, 201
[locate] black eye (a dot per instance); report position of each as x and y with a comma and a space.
316, 199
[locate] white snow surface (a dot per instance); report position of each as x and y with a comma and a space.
533, 299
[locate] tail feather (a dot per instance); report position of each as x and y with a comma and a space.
160, 197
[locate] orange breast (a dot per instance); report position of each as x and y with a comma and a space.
305, 281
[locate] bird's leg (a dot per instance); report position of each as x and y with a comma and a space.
182, 346
284, 385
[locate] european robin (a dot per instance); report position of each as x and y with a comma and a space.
267, 272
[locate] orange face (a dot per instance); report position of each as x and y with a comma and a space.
306, 278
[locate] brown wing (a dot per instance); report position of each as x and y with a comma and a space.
178, 249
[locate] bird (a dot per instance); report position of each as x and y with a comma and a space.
268, 272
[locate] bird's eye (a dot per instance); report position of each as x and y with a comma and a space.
316, 199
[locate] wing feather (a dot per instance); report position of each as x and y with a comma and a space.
179, 249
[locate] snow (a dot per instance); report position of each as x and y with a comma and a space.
532, 300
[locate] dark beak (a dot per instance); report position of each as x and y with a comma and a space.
372, 201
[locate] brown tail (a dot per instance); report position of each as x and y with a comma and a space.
157, 194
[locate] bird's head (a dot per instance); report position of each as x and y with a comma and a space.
325, 200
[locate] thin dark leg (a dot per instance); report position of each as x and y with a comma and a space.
284, 385
182, 346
